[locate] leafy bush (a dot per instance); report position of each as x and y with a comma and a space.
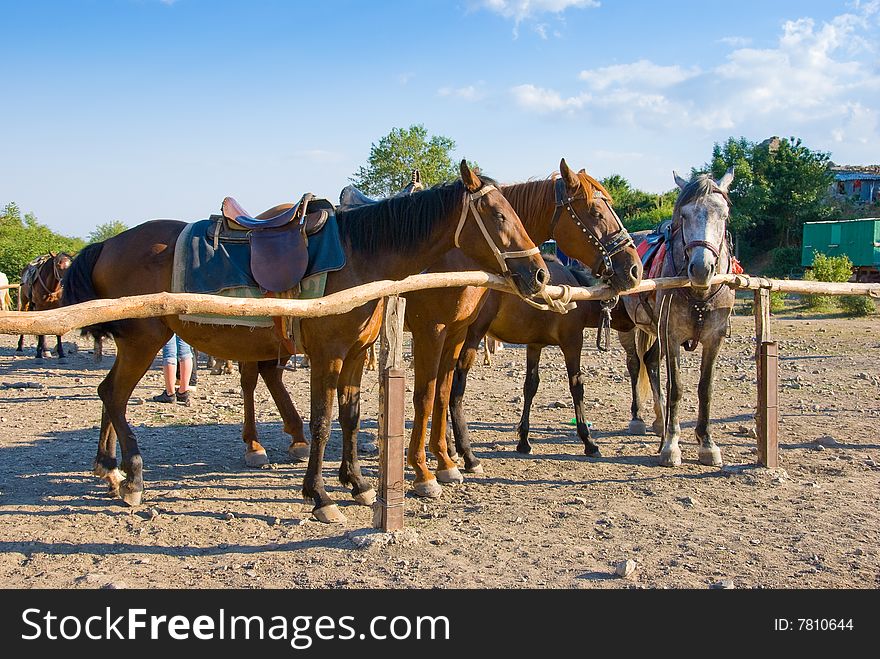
826, 268
23, 238
777, 301
857, 305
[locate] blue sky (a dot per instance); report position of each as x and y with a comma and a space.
137, 109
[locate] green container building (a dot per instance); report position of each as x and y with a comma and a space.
857, 239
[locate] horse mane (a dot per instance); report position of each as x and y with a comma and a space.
536, 193
401, 223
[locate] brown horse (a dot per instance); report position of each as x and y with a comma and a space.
388, 240
687, 317
512, 320
41, 284
575, 210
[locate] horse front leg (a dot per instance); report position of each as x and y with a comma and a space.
349, 392
41, 348
324, 378
272, 374
634, 370
651, 359
59, 347
106, 466
447, 471
530, 388
709, 453
427, 345
670, 452
254, 452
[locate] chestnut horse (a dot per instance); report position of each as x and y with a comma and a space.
41, 284
510, 319
576, 211
686, 317
389, 240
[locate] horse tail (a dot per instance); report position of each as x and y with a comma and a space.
644, 341
79, 287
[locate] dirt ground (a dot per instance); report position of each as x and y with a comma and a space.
553, 519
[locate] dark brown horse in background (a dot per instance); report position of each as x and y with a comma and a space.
41, 285
511, 320
576, 211
388, 240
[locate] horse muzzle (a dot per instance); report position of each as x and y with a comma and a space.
702, 266
528, 275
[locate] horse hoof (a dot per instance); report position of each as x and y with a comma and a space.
476, 469
657, 427
637, 427
670, 457
592, 452
367, 498
429, 489
256, 458
450, 476
711, 457
525, 449
298, 452
130, 496
453, 455
329, 515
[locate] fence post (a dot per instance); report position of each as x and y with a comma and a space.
768, 419
388, 511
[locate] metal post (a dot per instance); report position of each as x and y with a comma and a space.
389, 507
768, 418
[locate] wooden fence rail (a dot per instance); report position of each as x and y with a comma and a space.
65, 319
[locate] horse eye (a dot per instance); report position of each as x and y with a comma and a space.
499, 217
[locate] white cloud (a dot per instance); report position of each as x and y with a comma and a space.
468, 93
543, 101
736, 42
820, 78
643, 73
519, 10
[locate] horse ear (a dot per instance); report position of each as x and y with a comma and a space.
679, 181
570, 178
726, 180
471, 181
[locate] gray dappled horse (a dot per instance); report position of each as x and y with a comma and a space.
698, 248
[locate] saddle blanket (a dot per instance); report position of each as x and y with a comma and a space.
653, 252
199, 268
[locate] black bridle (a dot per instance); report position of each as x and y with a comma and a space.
608, 248
615, 244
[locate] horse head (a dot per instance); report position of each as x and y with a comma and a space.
497, 235
586, 228
700, 217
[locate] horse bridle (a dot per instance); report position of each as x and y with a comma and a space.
699, 307
51, 293
619, 241
469, 206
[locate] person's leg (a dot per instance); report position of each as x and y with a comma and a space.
169, 367
185, 359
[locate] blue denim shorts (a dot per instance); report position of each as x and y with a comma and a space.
176, 350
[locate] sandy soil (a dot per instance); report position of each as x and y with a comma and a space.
552, 519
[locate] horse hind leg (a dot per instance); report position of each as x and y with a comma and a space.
60, 349
298, 451
254, 453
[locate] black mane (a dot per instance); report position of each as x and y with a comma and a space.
400, 223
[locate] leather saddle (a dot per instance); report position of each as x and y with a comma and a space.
278, 237
352, 197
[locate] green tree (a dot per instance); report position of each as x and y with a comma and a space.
639, 210
107, 230
393, 158
779, 184
24, 238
